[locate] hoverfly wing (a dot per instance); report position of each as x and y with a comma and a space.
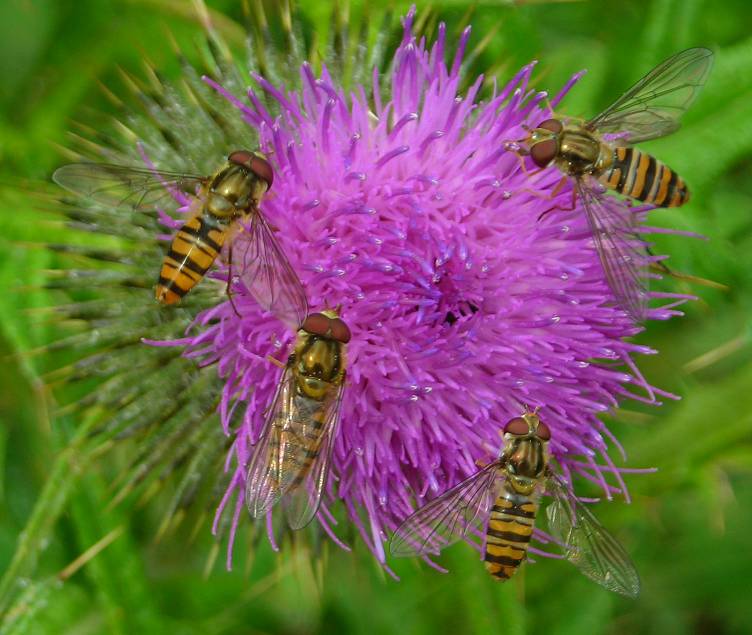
123, 186
258, 259
302, 501
621, 250
589, 546
266, 480
653, 106
450, 517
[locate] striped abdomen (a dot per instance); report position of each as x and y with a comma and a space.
193, 250
300, 438
640, 176
510, 528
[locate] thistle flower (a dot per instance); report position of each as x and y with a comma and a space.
398, 198
401, 202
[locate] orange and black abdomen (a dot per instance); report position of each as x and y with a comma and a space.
305, 437
193, 250
640, 176
510, 528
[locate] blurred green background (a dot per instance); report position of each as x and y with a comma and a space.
689, 525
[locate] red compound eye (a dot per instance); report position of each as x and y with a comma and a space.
553, 125
333, 328
544, 432
241, 157
340, 331
255, 163
317, 324
261, 168
543, 152
517, 426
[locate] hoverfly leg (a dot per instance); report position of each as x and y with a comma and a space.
229, 295
524, 168
275, 361
554, 194
521, 151
228, 288
558, 188
663, 269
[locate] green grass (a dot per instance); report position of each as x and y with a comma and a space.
689, 524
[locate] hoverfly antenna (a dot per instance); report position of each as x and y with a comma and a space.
529, 410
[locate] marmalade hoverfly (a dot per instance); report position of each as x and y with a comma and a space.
291, 459
648, 110
500, 502
225, 214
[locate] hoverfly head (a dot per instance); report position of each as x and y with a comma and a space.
544, 142
525, 438
255, 163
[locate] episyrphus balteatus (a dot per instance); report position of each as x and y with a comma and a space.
224, 215
500, 503
291, 459
648, 110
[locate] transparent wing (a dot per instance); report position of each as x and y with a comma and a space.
264, 483
449, 517
653, 106
302, 501
291, 460
620, 249
589, 547
257, 258
122, 186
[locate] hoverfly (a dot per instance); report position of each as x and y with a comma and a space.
500, 502
225, 212
648, 110
291, 459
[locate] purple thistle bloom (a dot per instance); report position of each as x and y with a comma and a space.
403, 203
